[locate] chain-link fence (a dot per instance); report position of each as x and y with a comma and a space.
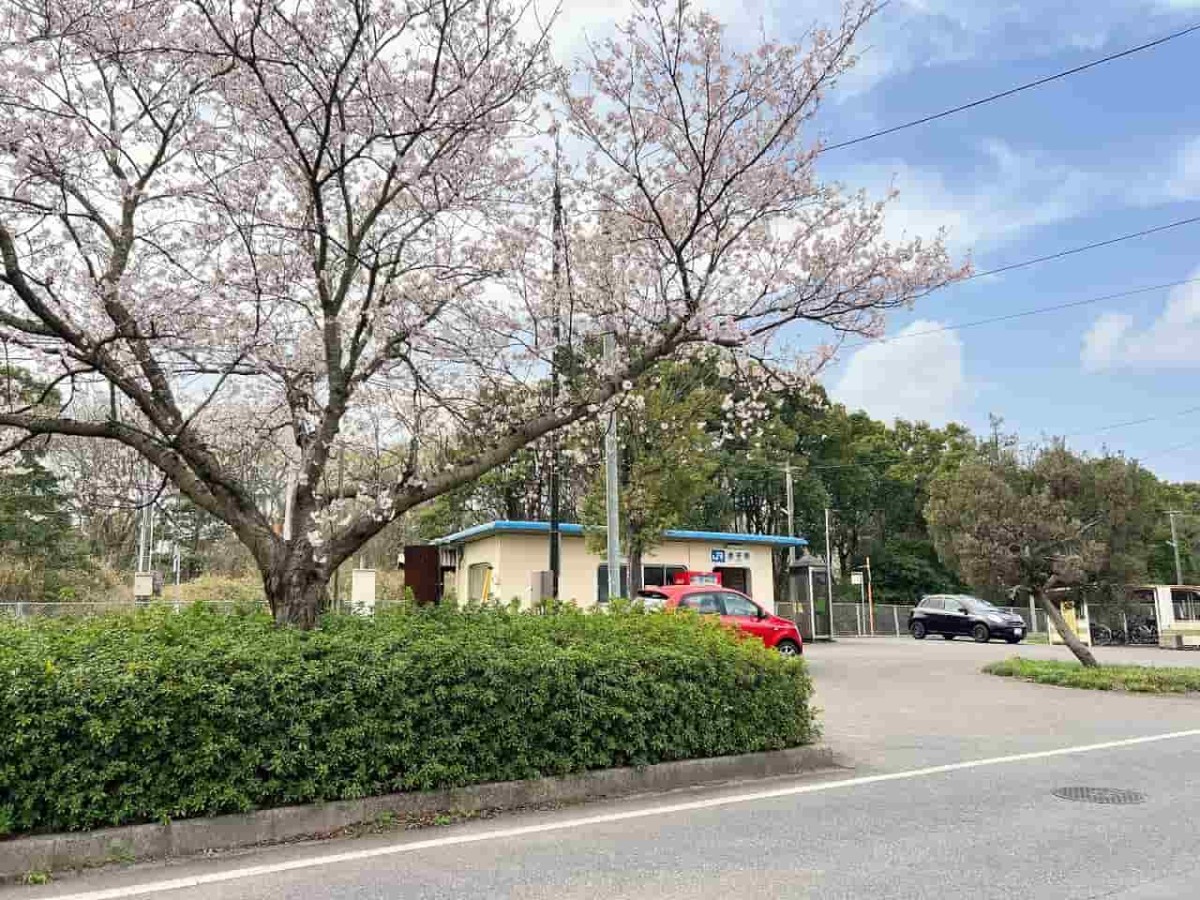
889, 620
59, 609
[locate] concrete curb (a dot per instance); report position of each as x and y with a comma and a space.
185, 837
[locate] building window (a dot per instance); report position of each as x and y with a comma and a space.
479, 581
707, 604
1186, 605
658, 576
602, 582
737, 605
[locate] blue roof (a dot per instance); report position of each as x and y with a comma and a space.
671, 534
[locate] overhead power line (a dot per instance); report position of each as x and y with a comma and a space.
1095, 245
1171, 449
1013, 90
1131, 422
1036, 311
1060, 254
875, 464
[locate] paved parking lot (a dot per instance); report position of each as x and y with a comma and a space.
897, 703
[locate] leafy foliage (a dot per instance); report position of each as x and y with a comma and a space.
158, 716
1059, 520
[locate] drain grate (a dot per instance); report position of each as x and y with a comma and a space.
1109, 796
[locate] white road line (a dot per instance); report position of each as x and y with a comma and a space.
451, 840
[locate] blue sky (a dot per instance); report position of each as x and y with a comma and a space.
1109, 151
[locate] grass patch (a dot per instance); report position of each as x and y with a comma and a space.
1138, 679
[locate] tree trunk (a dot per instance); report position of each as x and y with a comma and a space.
297, 592
635, 571
1078, 647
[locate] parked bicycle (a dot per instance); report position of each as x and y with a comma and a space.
1144, 633
1141, 633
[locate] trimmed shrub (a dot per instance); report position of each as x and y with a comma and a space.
155, 716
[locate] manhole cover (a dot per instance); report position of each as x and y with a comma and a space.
1110, 796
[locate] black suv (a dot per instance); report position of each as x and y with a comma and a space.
953, 614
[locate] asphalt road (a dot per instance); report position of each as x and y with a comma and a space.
983, 825
899, 703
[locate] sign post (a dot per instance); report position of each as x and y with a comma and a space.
870, 597
856, 577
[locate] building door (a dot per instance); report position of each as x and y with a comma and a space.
956, 619
744, 615
735, 577
821, 616
422, 571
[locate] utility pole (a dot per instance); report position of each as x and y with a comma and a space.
870, 597
995, 422
141, 550
791, 509
611, 493
1175, 546
828, 573
556, 267
175, 564
150, 542
791, 530
337, 581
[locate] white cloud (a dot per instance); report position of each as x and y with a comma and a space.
1102, 343
919, 34
1006, 194
1170, 341
919, 376
1184, 182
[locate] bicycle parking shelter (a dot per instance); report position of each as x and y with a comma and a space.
1166, 615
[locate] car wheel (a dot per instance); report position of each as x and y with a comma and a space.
947, 637
918, 630
788, 648
981, 634
1013, 640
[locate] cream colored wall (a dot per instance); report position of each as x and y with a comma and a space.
697, 556
484, 550
514, 556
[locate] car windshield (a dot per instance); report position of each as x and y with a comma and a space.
979, 605
652, 600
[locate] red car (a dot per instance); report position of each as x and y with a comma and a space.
734, 608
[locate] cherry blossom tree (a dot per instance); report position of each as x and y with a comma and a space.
317, 234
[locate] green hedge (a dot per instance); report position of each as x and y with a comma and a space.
156, 715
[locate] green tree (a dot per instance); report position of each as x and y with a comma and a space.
1184, 500
875, 477
34, 523
37, 539
667, 462
1057, 521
